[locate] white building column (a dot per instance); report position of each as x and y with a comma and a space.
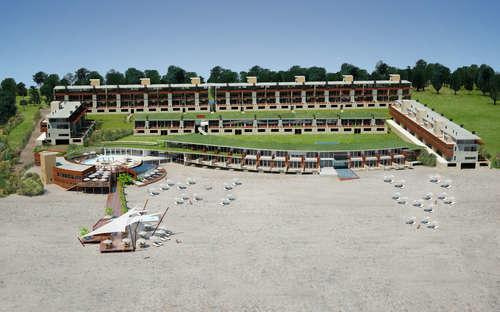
66, 97
374, 95
400, 94
197, 101
170, 102
303, 96
277, 95
94, 102
254, 97
146, 100
228, 98
327, 96
351, 94
118, 100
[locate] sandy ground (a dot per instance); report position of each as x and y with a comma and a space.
288, 243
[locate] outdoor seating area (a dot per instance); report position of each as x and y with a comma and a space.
120, 234
423, 205
151, 177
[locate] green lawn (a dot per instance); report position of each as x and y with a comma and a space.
330, 113
312, 142
472, 109
17, 135
111, 121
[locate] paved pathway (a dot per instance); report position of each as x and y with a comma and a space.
113, 201
26, 156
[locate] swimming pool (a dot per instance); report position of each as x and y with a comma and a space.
144, 168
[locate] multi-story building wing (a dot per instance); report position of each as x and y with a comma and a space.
252, 95
66, 123
455, 144
158, 125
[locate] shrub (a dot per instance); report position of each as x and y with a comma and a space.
427, 159
30, 185
123, 199
83, 231
125, 179
108, 211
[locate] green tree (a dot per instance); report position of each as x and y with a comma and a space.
334, 76
82, 76
39, 78
9, 85
190, 75
114, 77
34, 95
420, 75
47, 88
495, 88
356, 72
381, 71
7, 105
64, 82
94, 75
316, 73
296, 70
439, 76
133, 76
153, 75
456, 80
21, 89
30, 185
484, 76
468, 77
262, 74
222, 75
68, 79
174, 74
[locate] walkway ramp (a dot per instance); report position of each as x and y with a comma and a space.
200, 130
346, 174
327, 171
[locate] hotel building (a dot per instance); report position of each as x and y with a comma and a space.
458, 146
252, 95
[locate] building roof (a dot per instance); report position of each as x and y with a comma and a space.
365, 113
221, 85
451, 128
62, 163
64, 109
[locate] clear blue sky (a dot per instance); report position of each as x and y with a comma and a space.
59, 36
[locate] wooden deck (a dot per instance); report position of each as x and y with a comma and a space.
161, 175
117, 244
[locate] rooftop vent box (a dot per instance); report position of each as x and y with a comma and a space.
145, 81
195, 81
251, 79
300, 79
95, 82
347, 78
394, 77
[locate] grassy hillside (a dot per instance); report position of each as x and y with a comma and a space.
470, 108
18, 136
